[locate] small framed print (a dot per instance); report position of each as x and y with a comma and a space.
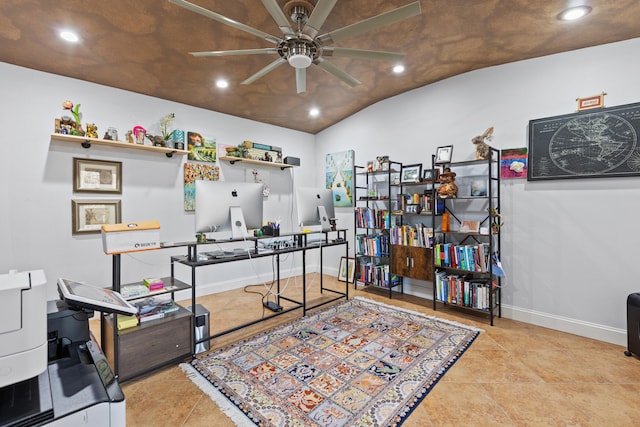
430, 175
596, 101
347, 269
88, 216
97, 176
444, 154
411, 173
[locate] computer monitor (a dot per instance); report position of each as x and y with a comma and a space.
228, 206
315, 206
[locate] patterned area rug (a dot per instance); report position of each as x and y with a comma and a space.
358, 363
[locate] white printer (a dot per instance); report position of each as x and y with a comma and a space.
42, 381
23, 326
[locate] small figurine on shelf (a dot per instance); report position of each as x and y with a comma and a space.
482, 148
448, 187
107, 136
497, 221
157, 140
129, 137
92, 130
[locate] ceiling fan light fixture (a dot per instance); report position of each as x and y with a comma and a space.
300, 55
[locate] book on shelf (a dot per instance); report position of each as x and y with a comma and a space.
134, 290
155, 308
126, 322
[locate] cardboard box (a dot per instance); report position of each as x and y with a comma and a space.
130, 237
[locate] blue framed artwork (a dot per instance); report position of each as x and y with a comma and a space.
339, 177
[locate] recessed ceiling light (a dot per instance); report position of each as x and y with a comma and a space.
314, 112
69, 36
222, 83
398, 69
573, 13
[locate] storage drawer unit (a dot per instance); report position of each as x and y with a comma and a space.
150, 345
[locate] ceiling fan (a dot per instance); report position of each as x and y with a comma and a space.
300, 45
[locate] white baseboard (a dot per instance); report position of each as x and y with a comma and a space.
565, 324
239, 282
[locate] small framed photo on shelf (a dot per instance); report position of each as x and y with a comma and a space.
88, 216
97, 176
430, 175
467, 226
347, 269
444, 154
411, 173
478, 188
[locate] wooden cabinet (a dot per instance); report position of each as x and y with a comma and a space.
149, 345
412, 262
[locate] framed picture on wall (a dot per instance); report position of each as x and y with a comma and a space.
97, 176
88, 216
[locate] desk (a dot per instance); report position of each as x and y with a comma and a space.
302, 244
160, 342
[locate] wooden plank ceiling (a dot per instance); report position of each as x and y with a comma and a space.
142, 46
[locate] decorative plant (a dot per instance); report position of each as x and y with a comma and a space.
68, 105
165, 124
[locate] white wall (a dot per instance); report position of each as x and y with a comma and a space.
567, 245
36, 178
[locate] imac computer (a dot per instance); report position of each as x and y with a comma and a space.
228, 206
315, 207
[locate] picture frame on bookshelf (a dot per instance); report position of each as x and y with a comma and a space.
347, 269
470, 226
478, 188
444, 154
97, 176
411, 173
429, 175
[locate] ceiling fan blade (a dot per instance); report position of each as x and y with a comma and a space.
301, 80
362, 54
318, 16
264, 71
278, 15
372, 23
236, 52
341, 74
223, 19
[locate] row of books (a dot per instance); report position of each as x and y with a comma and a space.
455, 289
463, 257
407, 235
423, 200
373, 218
372, 245
378, 275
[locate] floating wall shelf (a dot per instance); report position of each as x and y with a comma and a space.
233, 160
87, 142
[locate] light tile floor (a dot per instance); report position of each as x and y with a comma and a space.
514, 374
